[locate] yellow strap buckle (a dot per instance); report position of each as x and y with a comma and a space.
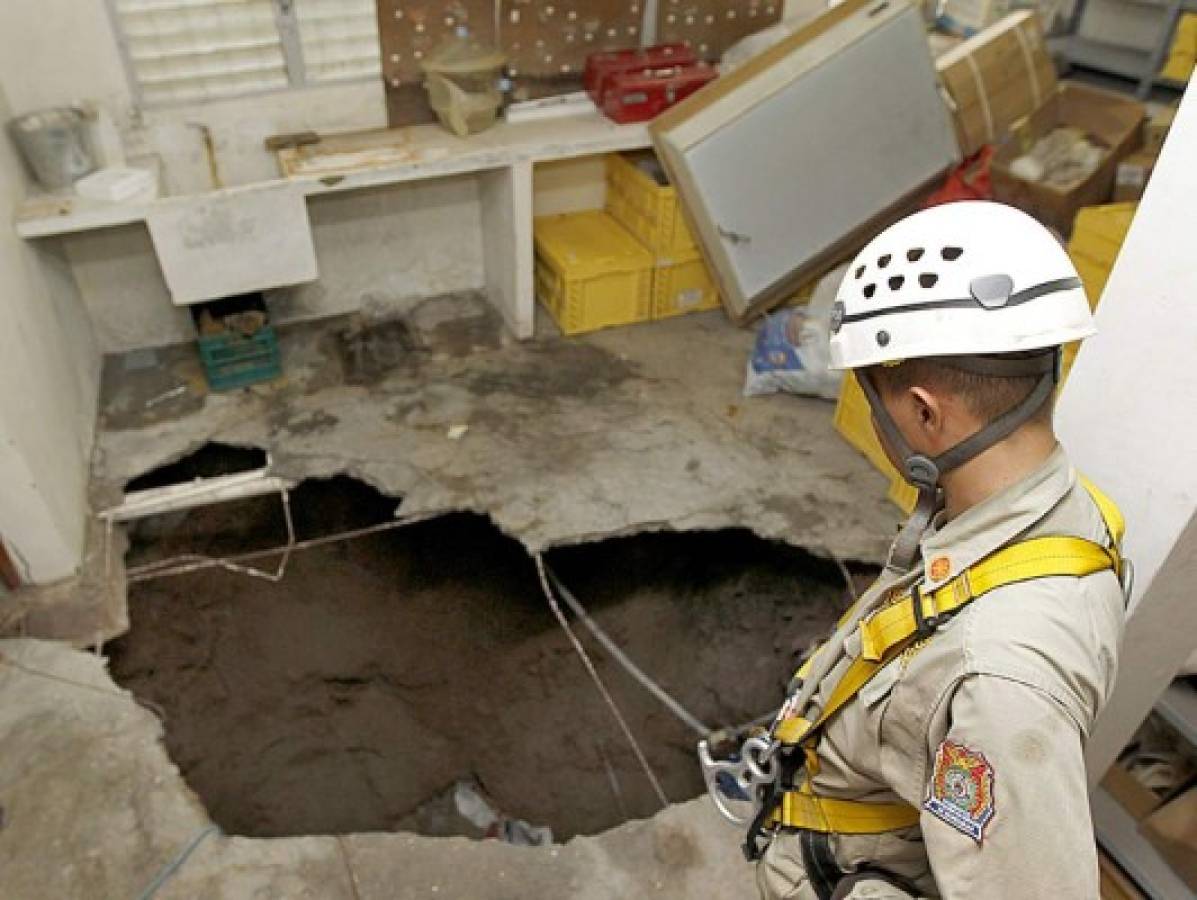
800, 809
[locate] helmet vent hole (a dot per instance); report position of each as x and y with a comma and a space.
896, 282
869, 290
860, 272
952, 253
928, 279
884, 261
914, 255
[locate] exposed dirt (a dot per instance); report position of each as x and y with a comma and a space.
383, 670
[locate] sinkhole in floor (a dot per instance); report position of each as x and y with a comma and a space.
382, 676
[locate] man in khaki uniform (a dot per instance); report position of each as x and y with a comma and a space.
933, 746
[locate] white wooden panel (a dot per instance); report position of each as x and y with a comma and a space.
798, 156
223, 245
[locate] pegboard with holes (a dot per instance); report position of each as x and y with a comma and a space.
711, 26
552, 39
541, 39
411, 29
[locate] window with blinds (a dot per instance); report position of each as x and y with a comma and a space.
181, 51
338, 39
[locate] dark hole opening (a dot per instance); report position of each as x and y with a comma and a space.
209, 461
379, 674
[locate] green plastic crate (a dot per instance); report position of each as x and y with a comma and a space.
233, 361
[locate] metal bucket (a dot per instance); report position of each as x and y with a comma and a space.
55, 146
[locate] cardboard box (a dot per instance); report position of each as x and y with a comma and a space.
1156, 129
1111, 120
1172, 830
997, 78
1131, 794
1130, 178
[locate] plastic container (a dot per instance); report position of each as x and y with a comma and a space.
641, 96
462, 80
603, 66
55, 146
683, 286
1096, 241
854, 421
591, 273
233, 360
643, 201
1099, 231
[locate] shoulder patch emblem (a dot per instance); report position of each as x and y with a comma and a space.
961, 789
940, 568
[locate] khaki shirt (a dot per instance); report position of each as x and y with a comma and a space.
1011, 686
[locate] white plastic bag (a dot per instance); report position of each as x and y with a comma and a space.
792, 351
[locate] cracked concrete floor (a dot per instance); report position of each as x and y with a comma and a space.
566, 441
93, 808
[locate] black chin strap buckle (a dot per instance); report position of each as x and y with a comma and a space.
922, 472
924, 625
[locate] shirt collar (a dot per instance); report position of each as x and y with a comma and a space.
974, 534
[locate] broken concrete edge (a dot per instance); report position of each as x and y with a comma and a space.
92, 608
98, 790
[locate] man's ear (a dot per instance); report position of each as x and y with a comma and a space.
928, 410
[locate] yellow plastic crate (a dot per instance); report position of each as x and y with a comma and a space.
1099, 231
1096, 241
591, 273
683, 286
1094, 276
645, 207
854, 421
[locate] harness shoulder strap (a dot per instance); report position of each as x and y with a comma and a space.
892, 628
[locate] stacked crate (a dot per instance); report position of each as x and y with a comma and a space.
641, 199
633, 262
1097, 237
591, 273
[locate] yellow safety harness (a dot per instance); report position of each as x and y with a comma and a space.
893, 628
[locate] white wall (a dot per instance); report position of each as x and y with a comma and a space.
61, 52
49, 381
381, 248
1127, 418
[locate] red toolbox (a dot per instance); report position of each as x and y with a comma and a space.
640, 96
602, 66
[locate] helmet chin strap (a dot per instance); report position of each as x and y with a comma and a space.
925, 472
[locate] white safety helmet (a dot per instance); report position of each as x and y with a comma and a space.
960, 279
979, 286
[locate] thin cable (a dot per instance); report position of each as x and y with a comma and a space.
181, 565
348, 867
61, 679
175, 864
848, 583
622, 658
598, 682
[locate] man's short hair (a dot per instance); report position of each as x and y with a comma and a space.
986, 396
